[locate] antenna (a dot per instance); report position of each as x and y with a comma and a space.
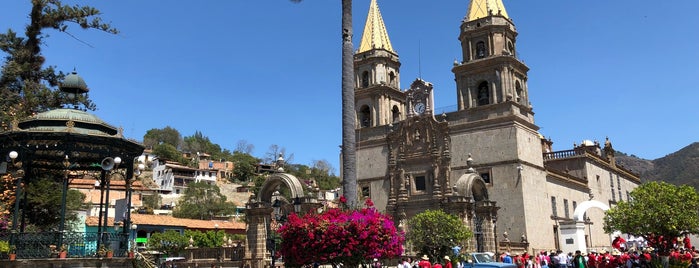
419, 59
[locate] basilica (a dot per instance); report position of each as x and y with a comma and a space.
486, 162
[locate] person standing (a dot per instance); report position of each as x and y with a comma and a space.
424, 262
579, 260
447, 262
507, 258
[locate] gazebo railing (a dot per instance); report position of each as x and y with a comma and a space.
41, 245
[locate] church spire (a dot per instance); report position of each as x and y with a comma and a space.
483, 8
375, 35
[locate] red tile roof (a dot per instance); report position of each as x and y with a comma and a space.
166, 220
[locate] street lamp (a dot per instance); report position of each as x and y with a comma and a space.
297, 205
133, 236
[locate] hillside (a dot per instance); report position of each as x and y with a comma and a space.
681, 167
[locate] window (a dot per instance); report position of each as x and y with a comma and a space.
565, 208
518, 92
618, 186
511, 47
366, 193
365, 116
395, 114
420, 183
575, 205
480, 50
611, 184
392, 78
553, 207
486, 177
365, 79
483, 93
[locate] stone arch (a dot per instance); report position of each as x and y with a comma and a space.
473, 186
276, 179
584, 206
573, 234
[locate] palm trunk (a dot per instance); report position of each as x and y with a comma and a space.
349, 161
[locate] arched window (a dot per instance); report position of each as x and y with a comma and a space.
518, 92
365, 79
392, 78
365, 116
395, 114
480, 50
511, 48
483, 94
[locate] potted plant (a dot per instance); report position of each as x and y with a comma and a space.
12, 253
63, 252
103, 251
132, 249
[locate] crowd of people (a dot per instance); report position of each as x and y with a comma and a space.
617, 257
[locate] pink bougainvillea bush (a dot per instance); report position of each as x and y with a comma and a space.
339, 236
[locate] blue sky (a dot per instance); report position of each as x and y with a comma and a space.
268, 72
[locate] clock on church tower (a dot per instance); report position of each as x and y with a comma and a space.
420, 98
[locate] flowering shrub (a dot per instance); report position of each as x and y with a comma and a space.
339, 236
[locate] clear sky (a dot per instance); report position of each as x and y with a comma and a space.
268, 72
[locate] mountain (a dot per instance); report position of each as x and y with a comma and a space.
681, 167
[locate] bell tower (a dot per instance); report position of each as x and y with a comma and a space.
490, 72
378, 98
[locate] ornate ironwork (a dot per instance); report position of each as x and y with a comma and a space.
78, 244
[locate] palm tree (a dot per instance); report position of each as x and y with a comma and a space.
349, 158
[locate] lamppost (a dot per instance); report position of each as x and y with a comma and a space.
218, 256
19, 173
132, 247
280, 217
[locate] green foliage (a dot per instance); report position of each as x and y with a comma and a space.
203, 201
434, 233
656, 209
245, 166
200, 143
4, 246
166, 135
208, 239
168, 152
26, 87
44, 204
152, 201
170, 242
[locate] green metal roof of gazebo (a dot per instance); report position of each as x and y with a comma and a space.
47, 138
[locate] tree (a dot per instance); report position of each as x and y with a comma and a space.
208, 239
349, 147
26, 87
244, 147
276, 151
202, 201
435, 232
152, 201
170, 242
166, 135
657, 211
244, 166
339, 236
44, 204
168, 152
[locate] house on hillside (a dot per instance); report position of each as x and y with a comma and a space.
173, 177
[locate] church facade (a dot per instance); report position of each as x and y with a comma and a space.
487, 161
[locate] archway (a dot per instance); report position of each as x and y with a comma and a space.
573, 234
274, 181
258, 214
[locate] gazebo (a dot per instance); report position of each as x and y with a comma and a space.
61, 142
